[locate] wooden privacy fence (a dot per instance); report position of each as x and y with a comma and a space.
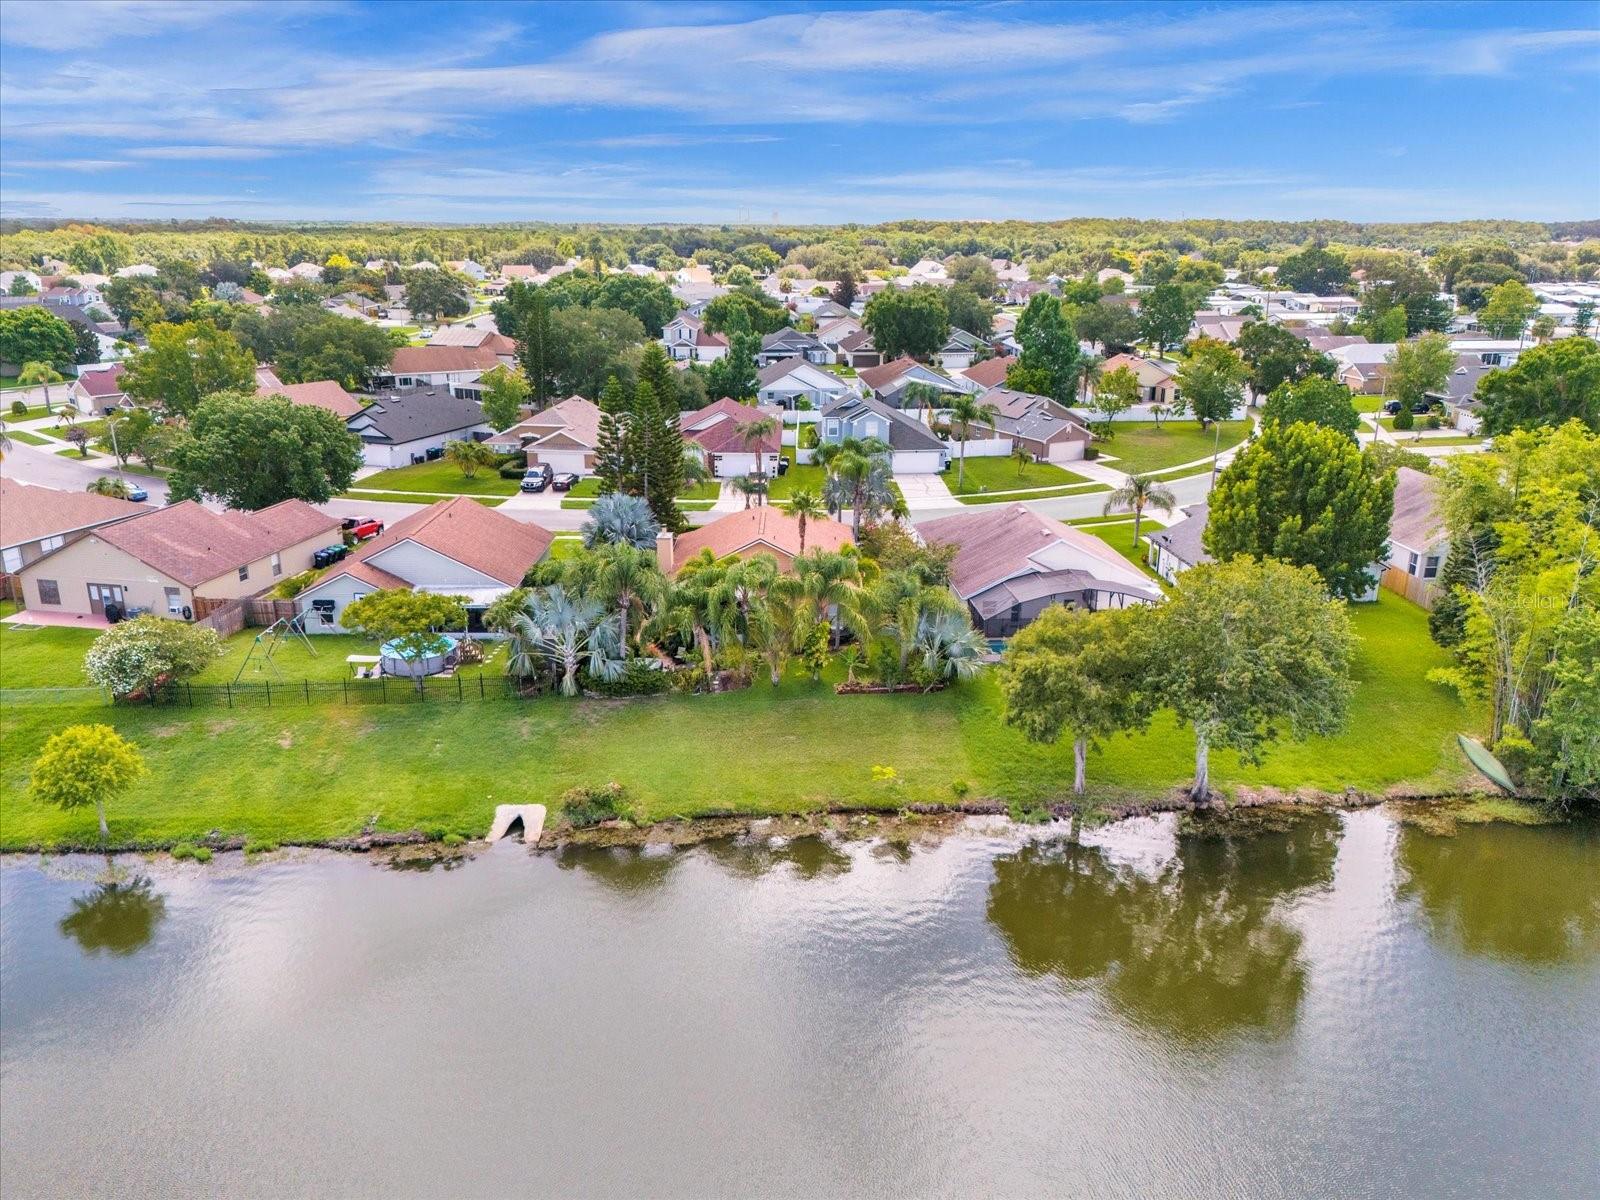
1415, 589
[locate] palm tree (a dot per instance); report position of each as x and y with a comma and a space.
1139, 493
753, 433
620, 519
36, 374
5, 449
630, 580
898, 605
965, 412
1020, 456
950, 647
829, 583
924, 396
1089, 371
1157, 412
107, 485
775, 625
564, 629
689, 611
804, 505
745, 486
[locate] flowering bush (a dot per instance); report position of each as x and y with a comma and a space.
137, 654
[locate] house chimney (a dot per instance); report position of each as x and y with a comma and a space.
664, 551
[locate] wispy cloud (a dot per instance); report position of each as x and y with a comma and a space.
649, 141
67, 164
200, 152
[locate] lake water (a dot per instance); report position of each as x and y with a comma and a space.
1344, 1007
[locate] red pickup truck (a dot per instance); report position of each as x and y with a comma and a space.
362, 528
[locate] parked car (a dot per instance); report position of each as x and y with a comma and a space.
536, 479
366, 527
138, 495
329, 555
1392, 408
783, 466
1422, 406
564, 481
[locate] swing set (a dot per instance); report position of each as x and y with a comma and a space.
268, 641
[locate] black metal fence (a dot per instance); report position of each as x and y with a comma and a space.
459, 689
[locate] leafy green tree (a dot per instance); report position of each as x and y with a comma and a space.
134, 656
1315, 269
1050, 345
35, 334
965, 412
250, 452
125, 297
1034, 380
1583, 317
1307, 495
1510, 307
1419, 368
913, 322
431, 294
1382, 326
734, 375
1077, 673
523, 314
1404, 281
589, 344
1112, 327
504, 393
103, 252
1316, 400
87, 349
308, 344
1114, 393
1547, 386
1137, 494
1275, 357
648, 299
969, 310
84, 765
844, 288
1247, 651
184, 364
409, 620
1165, 313
1211, 382
745, 310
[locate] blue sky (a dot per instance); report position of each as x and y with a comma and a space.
728, 112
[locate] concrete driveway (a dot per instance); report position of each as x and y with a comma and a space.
925, 492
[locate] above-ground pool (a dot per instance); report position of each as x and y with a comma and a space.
400, 660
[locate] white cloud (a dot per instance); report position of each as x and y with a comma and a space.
67, 164
200, 152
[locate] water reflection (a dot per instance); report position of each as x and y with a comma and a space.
810, 857
119, 916
1196, 949
1530, 896
620, 868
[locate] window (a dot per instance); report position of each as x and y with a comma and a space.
11, 560
174, 602
49, 591
1430, 569
277, 564
1411, 568
833, 427
51, 543
244, 572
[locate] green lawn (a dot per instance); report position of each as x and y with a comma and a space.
1042, 494
1119, 536
1001, 475
440, 477
33, 414
795, 478
29, 439
1139, 447
72, 452
415, 498
1368, 404
307, 773
697, 497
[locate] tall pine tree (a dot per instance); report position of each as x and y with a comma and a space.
655, 455
611, 445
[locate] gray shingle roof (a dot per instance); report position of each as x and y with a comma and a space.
1182, 540
414, 415
904, 433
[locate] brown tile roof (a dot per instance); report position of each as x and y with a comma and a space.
877, 378
322, 393
29, 512
856, 342
1416, 523
470, 335
102, 383
194, 545
477, 537
991, 372
998, 542
427, 360
756, 529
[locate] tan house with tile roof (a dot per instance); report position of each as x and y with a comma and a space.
35, 520
178, 561
752, 531
563, 436
456, 547
322, 393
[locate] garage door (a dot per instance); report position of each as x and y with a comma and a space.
916, 462
563, 460
1066, 451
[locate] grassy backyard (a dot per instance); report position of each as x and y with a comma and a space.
697, 497
441, 478
1001, 475
1138, 447
311, 772
796, 477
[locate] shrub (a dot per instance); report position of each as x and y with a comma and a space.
291, 587
184, 850
1402, 419
512, 471
260, 846
202, 854
453, 839
1091, 452
19, 408
639, 678
586, 806
137, 654
1432, 421
513, 458
959, 788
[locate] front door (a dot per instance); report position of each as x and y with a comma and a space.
102, 594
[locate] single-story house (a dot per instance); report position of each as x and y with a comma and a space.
833, 330
35, 520
989, 373
1222, 327
783, 383
686, 339
857, 350
791, 343
1460, 393
435, 366
1020, 291
1363, 366
1049, 431
472, 270
1012, 563
960, 350
397, 430
180, 561
564, 436
748, 532
1419, 542
892, 378
456, 547
1176, 548
477, 337
913, 447
321, 393
1158, 381
718, 431
98, 389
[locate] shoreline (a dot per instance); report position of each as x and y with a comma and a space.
690, 831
